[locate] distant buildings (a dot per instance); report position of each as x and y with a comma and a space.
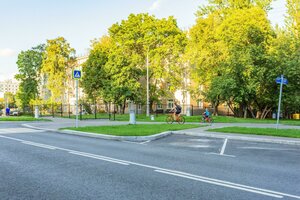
10, 85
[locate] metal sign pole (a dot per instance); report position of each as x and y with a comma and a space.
76, 81
279, 103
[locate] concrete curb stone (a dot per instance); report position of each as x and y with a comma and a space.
278, 140
119, 138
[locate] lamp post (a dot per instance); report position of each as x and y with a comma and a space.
147, 65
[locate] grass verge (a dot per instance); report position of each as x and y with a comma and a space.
197, 118
21, 118
134, 130
292, 133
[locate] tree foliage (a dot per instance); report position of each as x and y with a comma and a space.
56, 60
29, 65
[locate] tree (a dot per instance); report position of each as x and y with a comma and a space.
228, 49
140, 37
29, 65
56, 61
96, 77
9, 99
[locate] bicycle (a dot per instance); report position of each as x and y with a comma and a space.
170, 119
207, 119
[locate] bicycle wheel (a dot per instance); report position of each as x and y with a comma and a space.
169, 119
181, 120
210, 121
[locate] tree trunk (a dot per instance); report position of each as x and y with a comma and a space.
124, 106
245, 112
216, 105
251, 111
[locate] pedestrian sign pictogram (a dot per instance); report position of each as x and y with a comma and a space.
76, 74
284, 80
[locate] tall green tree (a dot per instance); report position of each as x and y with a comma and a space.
140, 38
29, 65
96, 79
56, 62
228, 49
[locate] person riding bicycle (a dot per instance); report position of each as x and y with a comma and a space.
176, 111
206, 114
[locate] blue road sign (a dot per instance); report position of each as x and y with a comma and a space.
278, 80
76, 74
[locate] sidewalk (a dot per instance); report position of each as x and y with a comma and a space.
201, 132
58, 123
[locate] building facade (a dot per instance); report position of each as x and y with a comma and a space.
9, 85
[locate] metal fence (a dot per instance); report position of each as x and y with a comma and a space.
110, 110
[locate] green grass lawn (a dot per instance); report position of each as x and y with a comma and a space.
134, 130
217, 119
162, 118
21, 118
292, 133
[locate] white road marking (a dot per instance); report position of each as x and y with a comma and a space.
44, 129
39, 145
170, 172
223, 147
266, 148
98, 157
221, 184
217, 154
18, 130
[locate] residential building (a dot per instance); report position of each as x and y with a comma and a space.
10, 85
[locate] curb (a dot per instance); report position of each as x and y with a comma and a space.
241, 137
107, 137
119, 138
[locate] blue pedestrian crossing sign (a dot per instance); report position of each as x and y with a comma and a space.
76, 74
284, 81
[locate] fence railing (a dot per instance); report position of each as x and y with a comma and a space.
110, 110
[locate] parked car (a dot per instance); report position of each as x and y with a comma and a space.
14, 113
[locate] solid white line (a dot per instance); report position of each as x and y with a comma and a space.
39, 145
221, 184
10, 138
231, 183
98, 157
223, 147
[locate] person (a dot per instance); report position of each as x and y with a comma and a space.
176, 111
206, 114
7, 110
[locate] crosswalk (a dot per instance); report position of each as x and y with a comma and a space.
18, 130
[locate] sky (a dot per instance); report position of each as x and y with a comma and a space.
28, 23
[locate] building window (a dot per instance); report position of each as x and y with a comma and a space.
170, 103
200, 103
158, 106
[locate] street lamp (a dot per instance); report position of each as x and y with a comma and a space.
147, 65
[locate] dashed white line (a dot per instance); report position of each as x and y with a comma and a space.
39, 145
99, 157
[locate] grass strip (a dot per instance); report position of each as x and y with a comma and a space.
291, 133
21, 118
196, 118
134, 130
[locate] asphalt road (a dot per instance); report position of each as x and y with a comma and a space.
38, 164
